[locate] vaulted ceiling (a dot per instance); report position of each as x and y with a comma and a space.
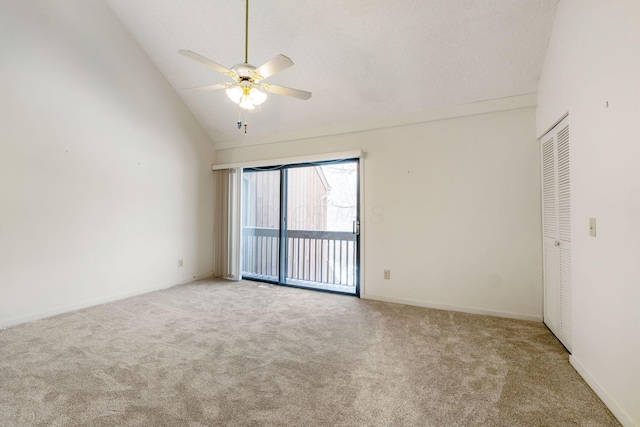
362, 59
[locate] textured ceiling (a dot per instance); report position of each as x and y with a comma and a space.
362, 59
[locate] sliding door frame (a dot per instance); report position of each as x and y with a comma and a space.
283, 246
282, 253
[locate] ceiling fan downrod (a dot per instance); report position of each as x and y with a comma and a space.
246, 33
246, 60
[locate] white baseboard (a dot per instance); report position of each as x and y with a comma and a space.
615, 409
59, 310
208, 275
461, 309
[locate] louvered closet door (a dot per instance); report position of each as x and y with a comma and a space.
550, 232
556, 207
564, 232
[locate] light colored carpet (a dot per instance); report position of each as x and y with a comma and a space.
242, 354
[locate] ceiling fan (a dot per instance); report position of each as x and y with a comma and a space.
247, 91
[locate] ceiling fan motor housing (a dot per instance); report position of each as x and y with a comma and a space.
244, 71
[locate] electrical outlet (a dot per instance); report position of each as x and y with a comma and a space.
180, 262
387, 274
592, 227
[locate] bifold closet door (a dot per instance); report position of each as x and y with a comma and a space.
556, 213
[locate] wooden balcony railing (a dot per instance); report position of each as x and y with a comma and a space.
313, 257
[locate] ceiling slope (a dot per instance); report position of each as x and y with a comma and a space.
362, 59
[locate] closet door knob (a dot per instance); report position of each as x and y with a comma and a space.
557, 243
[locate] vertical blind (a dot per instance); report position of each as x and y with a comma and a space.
227, 227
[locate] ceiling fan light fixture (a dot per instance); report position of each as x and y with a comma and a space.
235, 93
246, 103
257, 96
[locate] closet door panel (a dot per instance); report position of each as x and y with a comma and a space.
549, 193
564, 186
550, 233
551, 287
556, 215
565, 294
564, 233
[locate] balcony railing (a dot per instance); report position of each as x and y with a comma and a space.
325, 259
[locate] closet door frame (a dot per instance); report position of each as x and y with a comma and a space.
556, 229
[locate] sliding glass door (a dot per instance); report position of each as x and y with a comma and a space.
311, 241
260, 242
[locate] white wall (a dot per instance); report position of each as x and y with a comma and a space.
451, 207
105, 175
594, 58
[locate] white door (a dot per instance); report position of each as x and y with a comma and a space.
556, 214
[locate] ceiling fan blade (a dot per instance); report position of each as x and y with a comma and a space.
207, 62
287, 91
208, 87
274, 65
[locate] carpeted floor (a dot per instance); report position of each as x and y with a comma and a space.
244, 354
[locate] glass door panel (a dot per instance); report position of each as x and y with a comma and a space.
261, 225
321, 226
